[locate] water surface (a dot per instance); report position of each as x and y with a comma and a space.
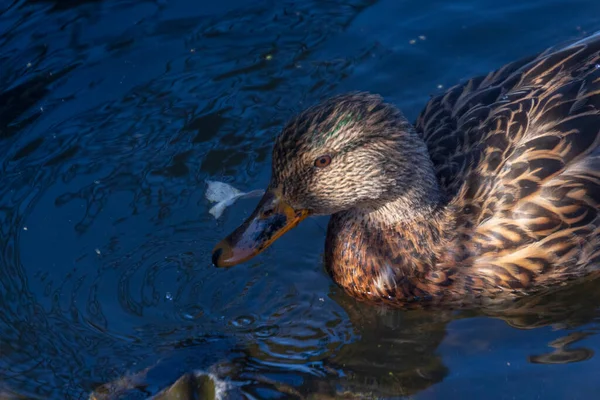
112, 116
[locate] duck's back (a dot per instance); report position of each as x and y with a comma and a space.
518, 153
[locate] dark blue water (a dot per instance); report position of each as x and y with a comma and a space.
112, 116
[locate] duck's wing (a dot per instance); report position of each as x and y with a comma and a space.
454, 124
519, 152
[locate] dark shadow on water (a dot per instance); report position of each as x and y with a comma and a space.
61, 5
396, 352
18, 100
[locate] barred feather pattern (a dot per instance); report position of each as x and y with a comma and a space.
517, 155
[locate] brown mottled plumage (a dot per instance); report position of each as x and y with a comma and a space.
493, 194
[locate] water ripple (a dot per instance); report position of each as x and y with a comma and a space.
112, 116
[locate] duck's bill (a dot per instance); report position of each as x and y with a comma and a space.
272, 218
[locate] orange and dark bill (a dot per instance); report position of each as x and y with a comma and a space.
272, 218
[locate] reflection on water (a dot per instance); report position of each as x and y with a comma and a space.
393, 353
112, 116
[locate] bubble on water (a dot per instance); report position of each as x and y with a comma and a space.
97, 251
412, 41
422, 37
169, 296
24, 228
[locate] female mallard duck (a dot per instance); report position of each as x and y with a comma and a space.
493, 194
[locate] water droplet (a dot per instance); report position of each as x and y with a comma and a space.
440, 86
422, 37
412, 41
169, 296
192, 312
597, 66
321, 299
28, 65
266, 331
97, 251
243, 320
24, 228
41, 109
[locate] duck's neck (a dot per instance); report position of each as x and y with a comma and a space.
394, 246
392, 252
412, 191
412, 208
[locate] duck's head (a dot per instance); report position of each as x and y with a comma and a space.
352, 151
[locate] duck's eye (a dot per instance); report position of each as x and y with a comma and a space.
323, 161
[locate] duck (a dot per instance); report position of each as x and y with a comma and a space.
492, 194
